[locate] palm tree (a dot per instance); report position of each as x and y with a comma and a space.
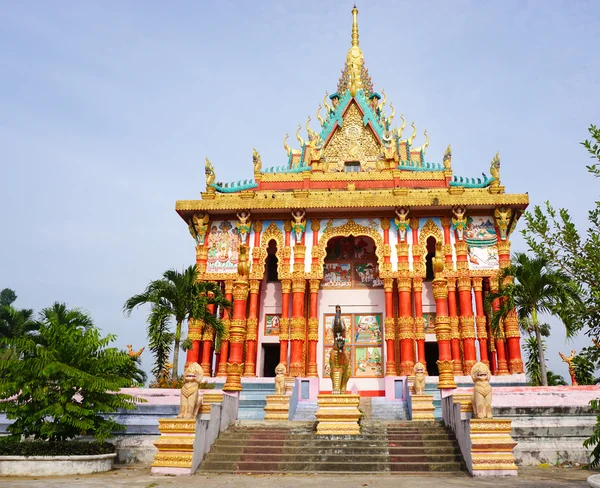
181, 296
530, 286
14, 323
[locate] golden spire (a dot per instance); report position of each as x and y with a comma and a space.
354, 58
355, 26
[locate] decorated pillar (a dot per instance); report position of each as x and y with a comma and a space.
313, 328
454, 330
511, 323
252, 329
499, 340
442, 322
419, 320
224, 356
298, 326
467, 329
390, 328
194, 335
284, 323
237, 331
208, 337
480, 321
405, 326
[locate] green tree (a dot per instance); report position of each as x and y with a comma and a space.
179, 296
529, 287
554, 379
62, 377
7, 297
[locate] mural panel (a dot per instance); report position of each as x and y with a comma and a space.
481, 239
367, 329
328, 336
368, 362
337, 275
366, 275
223, 247
272, 324
429, 319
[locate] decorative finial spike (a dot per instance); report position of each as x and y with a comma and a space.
355, 26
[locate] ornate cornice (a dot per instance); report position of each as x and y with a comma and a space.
270, 200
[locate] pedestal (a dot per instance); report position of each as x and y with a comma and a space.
338, 414
492, 447
277, 407
208, 399
175, 446
465, 400
422, 408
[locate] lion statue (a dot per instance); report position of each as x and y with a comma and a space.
280, 379
419, 383
190, 395
482, 392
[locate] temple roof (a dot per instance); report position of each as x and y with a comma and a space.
355, 147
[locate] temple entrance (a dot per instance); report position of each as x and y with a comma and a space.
271, 359
432, 354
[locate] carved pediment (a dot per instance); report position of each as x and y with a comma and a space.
352, 142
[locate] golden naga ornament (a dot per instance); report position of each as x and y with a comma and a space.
209, 171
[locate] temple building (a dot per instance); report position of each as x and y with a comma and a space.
357, 215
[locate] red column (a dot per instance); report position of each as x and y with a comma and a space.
207, 342
499, 342
284, 323
313, 328
480, 320
194, 326
454, 331
297, 326
442, 331
419, 322
390, 328
194, 334
467, 327
224, 355
252, 329
511, 323
405, 324
237, 335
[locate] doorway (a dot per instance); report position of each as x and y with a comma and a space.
271, 359
432, 354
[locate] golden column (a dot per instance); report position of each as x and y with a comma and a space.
313, 328
406, 327
442, 322
499, 339
237, 330
252, 329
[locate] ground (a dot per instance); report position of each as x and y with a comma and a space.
139, 477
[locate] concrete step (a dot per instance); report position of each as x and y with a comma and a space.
256, 467
298, 450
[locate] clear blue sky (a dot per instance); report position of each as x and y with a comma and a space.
108, 109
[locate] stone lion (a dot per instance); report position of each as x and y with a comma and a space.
419, 383
482, 392
190, 395
280, 379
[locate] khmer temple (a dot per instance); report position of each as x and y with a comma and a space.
358, 214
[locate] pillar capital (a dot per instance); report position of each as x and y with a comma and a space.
286, 286
439, 288
477, 283
315, 285
385, 224
388, 284
298, 285
414, 223
315, 225
254, 286
258, 226
464, 283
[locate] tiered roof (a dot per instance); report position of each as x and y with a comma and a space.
355, 149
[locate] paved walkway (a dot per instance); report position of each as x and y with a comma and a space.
139, 477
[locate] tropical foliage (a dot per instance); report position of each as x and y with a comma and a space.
529, 287
552, 235
532, 364
13, 322
179, 296
62, 376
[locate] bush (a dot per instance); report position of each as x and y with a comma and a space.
11, 447
166, 382
62, 378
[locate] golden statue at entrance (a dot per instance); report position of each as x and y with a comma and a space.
190, 395
339, 364
482, 392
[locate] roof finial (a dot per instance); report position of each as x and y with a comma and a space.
355, 26
354, 58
